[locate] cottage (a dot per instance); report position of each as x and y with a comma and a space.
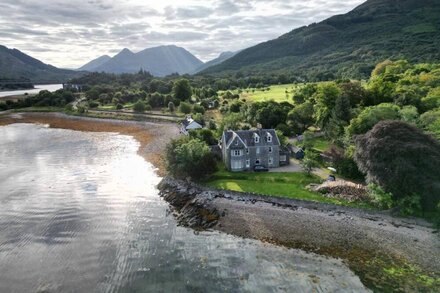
243, 150
189, 124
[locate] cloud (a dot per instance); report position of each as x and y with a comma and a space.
71, 33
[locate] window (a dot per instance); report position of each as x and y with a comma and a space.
257, 138
236, 153
270, 160
270, 149
236, 142
269, 138
257, 162
248, 163
247, 151
258, 150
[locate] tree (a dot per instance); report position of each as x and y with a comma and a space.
310, 161
325, 99
372, 115
187, 157
301, 117
204, 135
139, 106
402, 160
185, 108
171, 107
182, 90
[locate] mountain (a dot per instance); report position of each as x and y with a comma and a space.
92, 65
14, 64
159, 61
222, 57
348, 45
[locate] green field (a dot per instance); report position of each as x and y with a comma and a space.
290, 185
277, 93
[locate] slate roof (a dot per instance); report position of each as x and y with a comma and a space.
247, 136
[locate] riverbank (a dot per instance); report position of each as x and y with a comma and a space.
152, 136
387, 253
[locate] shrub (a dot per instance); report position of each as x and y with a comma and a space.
139, 107
93, 104
310, 161
185, 108
409, 205
148, 108
199, 109
171, 107
119, 106
382, 199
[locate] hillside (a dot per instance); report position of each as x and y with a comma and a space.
16, 65
92, 65
348, 45
159, 61
221, 58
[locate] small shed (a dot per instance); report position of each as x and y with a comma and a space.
298, 153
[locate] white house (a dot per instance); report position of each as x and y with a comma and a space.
189, 124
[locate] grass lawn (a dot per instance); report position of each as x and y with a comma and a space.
276, 93
290, 185
321, 144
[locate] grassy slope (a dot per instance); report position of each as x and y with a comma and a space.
290, 185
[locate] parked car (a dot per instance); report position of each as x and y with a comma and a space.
261, 169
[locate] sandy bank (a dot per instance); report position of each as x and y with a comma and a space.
153, 136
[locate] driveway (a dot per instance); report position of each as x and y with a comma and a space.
292, 168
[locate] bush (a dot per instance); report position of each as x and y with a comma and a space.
171, 107
119, 106
139, 107
188, 157
409, 205
185, 108
310, 161
382, 199
93, 104
199, 109
148, 108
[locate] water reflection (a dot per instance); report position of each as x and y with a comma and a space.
79, 212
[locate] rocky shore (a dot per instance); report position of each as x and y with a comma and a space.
369, 241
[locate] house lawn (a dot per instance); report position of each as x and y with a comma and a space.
290, 185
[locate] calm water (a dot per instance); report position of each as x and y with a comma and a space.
79, 212
36, 90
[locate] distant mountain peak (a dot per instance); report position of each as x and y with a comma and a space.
159, 61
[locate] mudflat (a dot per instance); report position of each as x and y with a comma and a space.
152, 136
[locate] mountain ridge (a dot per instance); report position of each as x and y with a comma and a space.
347, 45
17, 65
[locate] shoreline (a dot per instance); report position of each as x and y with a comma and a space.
152, 136
365, 240
373, 244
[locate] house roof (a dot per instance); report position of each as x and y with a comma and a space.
247, 137
187, 121
296, 149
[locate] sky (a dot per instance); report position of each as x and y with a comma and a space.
68, 34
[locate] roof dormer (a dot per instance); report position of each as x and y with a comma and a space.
269, 137
256, 138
